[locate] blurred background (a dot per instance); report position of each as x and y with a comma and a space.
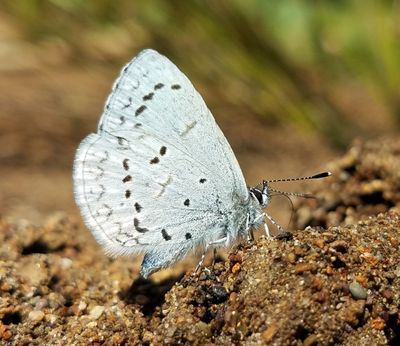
291, 83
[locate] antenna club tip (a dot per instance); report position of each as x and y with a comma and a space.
321, 175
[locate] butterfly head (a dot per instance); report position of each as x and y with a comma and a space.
261, 194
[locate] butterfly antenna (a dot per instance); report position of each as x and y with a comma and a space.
315, 176
287, 194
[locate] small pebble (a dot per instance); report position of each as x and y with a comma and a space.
6, 334
36, 315
82, 306
302, 267
291, 258
96, 312
354, 312
378, 323
311, 340
235, 268
218, 294
320, 243
339, 245
52, 319
268, 334
66, 263
388, 294
357, 291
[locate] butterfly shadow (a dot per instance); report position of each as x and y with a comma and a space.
147, 293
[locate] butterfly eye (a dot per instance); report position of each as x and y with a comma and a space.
258, 195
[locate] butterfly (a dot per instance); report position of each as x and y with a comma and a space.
159, 177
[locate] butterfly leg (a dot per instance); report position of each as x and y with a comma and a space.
267, 230
249, 230
213, 243
214, 256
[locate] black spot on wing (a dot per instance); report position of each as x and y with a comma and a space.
158, 86
137, 227
187, 202
148, 97
125, 164
165, 235
202, 180
163, 150
127, 193
138, 207
175, 87
122, 141
154, 160
127, 178
140, 110
188, 236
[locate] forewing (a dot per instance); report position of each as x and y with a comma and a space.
159, 170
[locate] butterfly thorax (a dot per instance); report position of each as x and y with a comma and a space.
251, 217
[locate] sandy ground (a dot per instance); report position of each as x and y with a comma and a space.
336, 282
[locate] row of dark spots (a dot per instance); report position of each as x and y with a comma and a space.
161, 85
127, 178
154, 160
148, 97
167, 237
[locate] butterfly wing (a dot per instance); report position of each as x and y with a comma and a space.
158, 176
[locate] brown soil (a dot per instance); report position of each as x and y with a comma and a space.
337, 285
